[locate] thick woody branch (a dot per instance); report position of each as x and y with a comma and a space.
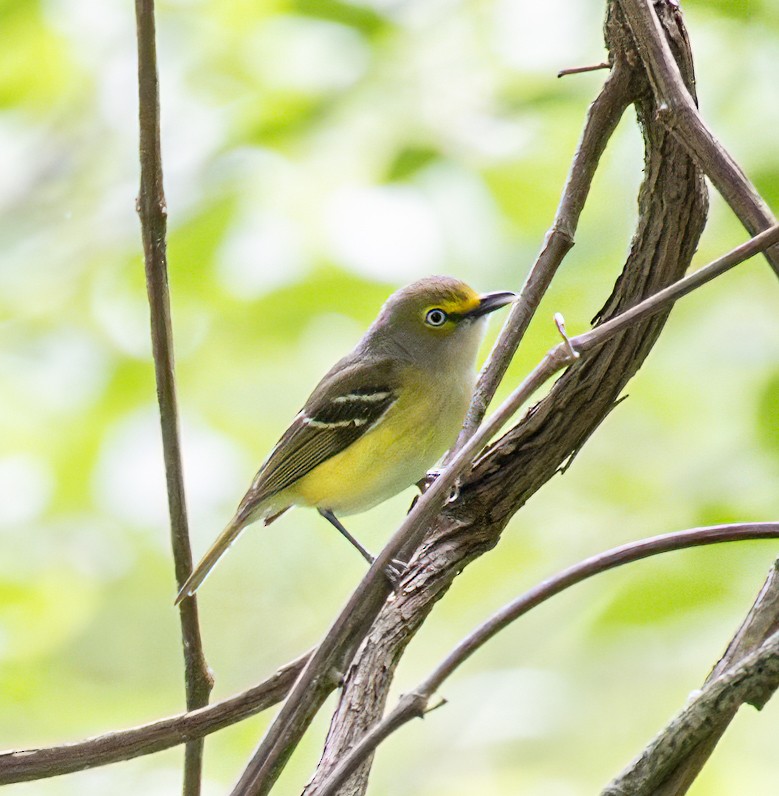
153, 215
278, 743
678, 111
349, 628
753, 680
415, 703
31, 764
672, 211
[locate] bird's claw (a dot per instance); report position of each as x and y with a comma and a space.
430, 477
428, 480
394, 572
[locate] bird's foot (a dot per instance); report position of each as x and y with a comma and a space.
394, 572
430, 477
428, 480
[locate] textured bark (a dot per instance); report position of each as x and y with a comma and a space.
672, 208
678, 111
754, 679
673, 775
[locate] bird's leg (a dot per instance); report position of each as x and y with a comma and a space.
393, 570
336, 523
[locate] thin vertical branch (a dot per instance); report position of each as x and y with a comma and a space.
153, 214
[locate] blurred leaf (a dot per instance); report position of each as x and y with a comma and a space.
285, 313
768, 414
532, 94
354, 15
525, 191
744, 10
718, 513
36, 619
193, 244
34, 63
281, 117
767, 183
409, 161
657, 592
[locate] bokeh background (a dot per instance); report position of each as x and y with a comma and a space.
318, 154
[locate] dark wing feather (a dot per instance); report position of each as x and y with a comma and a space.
349, 401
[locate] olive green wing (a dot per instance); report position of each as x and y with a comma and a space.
346, 404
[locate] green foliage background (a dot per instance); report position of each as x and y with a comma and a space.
318, 154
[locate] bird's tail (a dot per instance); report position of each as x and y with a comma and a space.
213, 554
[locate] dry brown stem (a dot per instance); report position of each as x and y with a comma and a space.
153, 215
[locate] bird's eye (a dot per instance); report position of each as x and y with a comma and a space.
436, 317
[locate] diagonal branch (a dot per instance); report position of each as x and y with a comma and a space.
317, 678
322, 670
602, 119
753, 680
675, 777
671, 214
33, 764
415, 703
153, 214
678, 111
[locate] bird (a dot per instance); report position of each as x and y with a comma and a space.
378, 419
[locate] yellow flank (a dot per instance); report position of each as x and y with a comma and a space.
411, 437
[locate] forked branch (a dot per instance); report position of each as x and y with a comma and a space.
363, 605
678, 111
671, 762
32, 764
415, 703
671, 214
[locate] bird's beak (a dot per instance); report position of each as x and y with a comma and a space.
490, 302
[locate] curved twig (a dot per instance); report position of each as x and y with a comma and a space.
30, 764
415, 703
24, 765
671, 215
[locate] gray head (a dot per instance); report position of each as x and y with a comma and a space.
434, 321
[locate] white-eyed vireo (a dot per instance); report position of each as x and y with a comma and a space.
379, 419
